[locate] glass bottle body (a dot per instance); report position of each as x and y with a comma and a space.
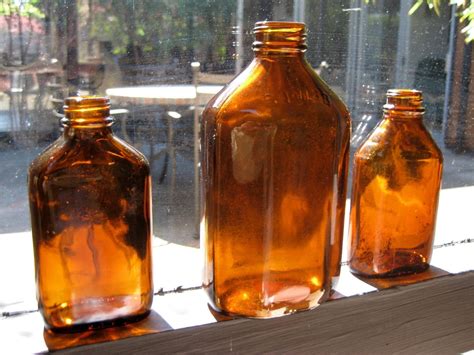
90, 202
275, 145
397, 177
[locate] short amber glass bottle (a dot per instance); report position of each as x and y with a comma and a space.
274, 165
90, 203
397, 176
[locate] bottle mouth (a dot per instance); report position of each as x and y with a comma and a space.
279, 36
87, 111
404, 100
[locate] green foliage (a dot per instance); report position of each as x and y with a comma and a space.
432, 4
467, 16
163, 29
465, 12
28, 8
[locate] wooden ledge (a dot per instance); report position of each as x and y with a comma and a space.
428, 312
435, 316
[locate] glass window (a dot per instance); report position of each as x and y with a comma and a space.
134, 50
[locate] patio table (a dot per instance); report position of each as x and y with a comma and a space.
166, 95
170, 96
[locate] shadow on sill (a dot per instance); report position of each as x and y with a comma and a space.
155, 323
384, 283
152, 324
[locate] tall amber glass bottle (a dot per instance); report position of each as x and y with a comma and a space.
397, 176
275, 147
90, 197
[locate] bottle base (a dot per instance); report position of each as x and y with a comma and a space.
98, 325
398, 272
279, 299
95, 313
281, 312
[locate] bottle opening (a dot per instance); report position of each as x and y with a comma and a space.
404, 100
87, 111
280, 37
85, 102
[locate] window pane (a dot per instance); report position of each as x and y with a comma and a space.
140, 53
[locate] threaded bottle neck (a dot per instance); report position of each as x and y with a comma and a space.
404, 102
274, 38
87, 112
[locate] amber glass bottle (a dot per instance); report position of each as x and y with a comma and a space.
90, 197
274, 165
397, 176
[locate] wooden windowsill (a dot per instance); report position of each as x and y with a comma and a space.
432, 311
432, 316
436, 315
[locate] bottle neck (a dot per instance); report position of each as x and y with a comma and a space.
86, 132
402, 115
403, 105
80, 122
90, 113
287, 39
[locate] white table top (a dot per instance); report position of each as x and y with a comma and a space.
178, 95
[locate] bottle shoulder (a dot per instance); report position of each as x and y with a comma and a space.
71, 153
129, 152
270, 88
406, 140
49, 156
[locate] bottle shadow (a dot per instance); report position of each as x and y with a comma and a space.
154, 323
384, 283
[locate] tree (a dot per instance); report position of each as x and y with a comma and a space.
465, 13
153, 31
22, 19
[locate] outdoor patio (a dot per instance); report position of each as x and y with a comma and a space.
173, 206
